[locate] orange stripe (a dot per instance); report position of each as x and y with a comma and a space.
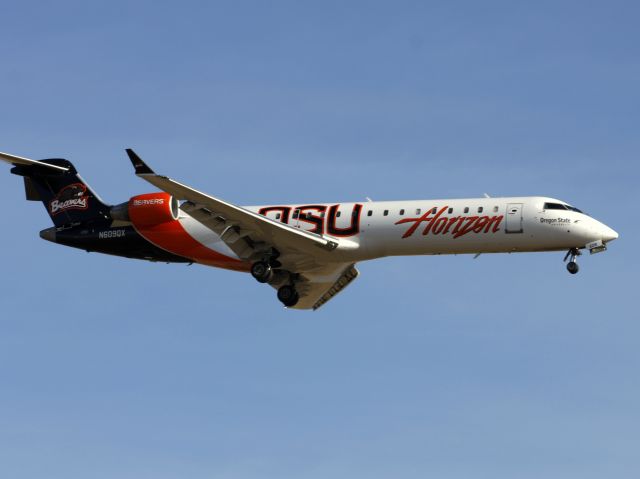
171, 236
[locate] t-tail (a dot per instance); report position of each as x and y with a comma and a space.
65, 195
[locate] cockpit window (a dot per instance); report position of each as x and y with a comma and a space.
560, 206
554, 206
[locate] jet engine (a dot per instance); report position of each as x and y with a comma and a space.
147, 210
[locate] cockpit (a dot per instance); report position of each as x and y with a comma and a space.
560, 206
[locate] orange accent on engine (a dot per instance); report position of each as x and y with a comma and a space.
153, 209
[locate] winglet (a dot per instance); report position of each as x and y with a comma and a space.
140, 166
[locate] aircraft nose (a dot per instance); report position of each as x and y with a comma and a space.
608, 234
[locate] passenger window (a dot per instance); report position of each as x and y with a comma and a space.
369, 213
338, 215
386, 212
401, 212
434, 210
295, 215
450, 210
418, 210
278, 216
495, 209
466, 209
480, 209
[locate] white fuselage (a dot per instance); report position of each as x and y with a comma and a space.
370, 230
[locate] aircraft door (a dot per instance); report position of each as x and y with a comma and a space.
514, 218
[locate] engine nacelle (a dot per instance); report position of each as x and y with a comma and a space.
152, 209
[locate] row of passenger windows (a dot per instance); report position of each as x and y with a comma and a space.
434, 211
418, 211
296, 214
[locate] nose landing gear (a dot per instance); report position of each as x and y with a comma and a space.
572, 265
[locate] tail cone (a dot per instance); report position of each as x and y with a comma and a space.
49, 234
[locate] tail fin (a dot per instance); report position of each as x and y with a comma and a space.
65, 195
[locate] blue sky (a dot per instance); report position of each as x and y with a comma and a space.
500, 367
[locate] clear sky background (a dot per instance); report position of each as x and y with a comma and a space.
449, 367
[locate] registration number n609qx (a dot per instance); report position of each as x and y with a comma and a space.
108, 234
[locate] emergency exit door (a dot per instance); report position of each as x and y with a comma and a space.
514, 218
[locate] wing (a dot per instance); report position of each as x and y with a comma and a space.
314, 259
316, 288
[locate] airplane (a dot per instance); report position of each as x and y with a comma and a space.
307, 252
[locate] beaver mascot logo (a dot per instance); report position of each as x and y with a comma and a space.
71, 197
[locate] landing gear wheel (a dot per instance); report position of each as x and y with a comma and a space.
262, 272
288, 295
572, 256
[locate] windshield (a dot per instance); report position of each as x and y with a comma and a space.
560, 206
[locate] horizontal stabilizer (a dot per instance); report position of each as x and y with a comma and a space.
18, 160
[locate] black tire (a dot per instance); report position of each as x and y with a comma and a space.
572, 267
262, 272
288, 295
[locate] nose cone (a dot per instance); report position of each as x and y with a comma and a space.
608, 234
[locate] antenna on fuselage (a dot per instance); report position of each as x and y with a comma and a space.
486, 195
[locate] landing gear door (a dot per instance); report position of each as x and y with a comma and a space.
514, 218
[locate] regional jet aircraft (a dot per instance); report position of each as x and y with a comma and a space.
306, 252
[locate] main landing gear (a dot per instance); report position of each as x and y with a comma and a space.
288, 295
263, 272
572, 256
